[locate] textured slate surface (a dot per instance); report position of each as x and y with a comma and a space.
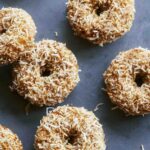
122, 133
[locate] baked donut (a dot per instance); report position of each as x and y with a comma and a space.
17, 32
100, 21
46, 74
70, 128
128, 81
9, 140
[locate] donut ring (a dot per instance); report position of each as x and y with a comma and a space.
9, 140
70, 128
46, 74
17, 32
100, 21
128, 81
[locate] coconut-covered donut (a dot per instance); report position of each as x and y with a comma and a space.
17, 31
100, 21
128, 81
70, 128
46, 74
9, 140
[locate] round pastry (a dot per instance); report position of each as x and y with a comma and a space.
9, 140
70, 128
46, 74
100, 21
128, 81
17, 32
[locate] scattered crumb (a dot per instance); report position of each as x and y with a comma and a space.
70, 104
48, 109
114, 108
27, 108
97, 106
142, 147
56, 34
11, 88
103, 89
80, 70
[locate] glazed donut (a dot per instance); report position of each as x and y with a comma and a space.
100, 21
9, 140
46, 74
17, 32
70, 128
128, 81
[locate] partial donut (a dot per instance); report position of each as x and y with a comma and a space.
17, 32
46, 74
100, 21
70, 128
9, 140
128, 81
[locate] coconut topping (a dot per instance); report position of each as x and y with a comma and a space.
128, 81
70, 128
17, 32
100, 21
46, 74
9, 140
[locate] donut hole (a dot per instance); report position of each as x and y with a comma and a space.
45, 71
2, 30
73, 136
140, 79
102, 7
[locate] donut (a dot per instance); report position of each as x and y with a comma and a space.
69, 128
128, 81
17, 32
46, 74
100, 21
9, 140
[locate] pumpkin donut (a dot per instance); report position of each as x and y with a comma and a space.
17, 32
70, 128
128, 81
100, 21
9, 140
46, 74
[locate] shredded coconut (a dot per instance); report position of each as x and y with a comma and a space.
27, 107
48, 109
142, 147
103, 89
97, 106
56, 34
114, 108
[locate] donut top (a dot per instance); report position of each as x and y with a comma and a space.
8, 140
101, 21
14, 22
17, 31
47, 73
128, 81
70, 128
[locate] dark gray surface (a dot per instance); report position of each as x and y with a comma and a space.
122, 133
